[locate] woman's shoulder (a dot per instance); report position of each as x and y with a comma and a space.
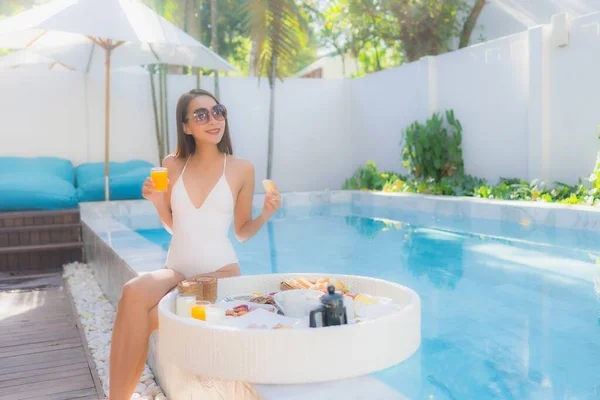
242, 168
172, 162
240, 164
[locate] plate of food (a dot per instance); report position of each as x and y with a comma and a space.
262, 319
236, 307
314, 284
255, 297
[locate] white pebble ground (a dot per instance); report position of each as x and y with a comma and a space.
97, 316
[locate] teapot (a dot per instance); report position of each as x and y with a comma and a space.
333, 310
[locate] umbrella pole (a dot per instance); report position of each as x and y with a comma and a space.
108, 51
108, 47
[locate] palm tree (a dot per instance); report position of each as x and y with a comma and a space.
214, 39
278, 31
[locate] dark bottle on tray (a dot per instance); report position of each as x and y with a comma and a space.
333, 310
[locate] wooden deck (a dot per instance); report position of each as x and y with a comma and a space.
43, 353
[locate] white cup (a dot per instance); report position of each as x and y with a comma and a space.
298, 303
349, 304
214, 313
184, 304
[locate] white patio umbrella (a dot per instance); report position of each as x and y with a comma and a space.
81, 54
28, 58
125, 31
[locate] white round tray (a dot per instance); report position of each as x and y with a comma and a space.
289, 356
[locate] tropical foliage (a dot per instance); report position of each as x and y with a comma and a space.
385, 33
379, 33
433, 157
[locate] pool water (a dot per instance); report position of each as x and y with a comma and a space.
501, 318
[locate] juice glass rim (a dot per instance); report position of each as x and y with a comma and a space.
158, 169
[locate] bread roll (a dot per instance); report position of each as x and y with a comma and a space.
304, 283
269, 186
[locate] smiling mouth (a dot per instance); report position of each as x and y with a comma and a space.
213, 131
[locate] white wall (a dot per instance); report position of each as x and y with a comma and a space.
383, 104
574, 102
486, 85
132, 132
528, 107
44, 113
313, 146
38, 119
310, 134
49, 113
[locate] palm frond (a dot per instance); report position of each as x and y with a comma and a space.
278, 31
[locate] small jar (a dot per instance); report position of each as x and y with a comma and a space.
214, 313
184, 304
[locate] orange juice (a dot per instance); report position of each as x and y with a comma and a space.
159, 177
199, 310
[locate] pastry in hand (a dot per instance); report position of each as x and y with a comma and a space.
269, 186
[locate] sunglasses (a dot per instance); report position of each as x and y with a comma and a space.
201, 115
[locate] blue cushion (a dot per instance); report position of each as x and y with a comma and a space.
126, 180
58, 167
35, 191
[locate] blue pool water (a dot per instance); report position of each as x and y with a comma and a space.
501, 318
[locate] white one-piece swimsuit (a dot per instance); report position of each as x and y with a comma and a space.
200, 242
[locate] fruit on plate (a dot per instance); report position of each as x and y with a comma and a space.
369, 299
238, 311
263, 300
365, 299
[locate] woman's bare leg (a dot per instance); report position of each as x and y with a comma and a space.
169, 281
129, 344
152, 326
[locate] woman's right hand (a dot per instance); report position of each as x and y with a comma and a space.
149, 193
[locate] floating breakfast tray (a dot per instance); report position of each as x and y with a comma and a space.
291, 356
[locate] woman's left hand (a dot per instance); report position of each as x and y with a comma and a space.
271, 205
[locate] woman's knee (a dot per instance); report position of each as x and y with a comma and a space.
133, 292
147, 290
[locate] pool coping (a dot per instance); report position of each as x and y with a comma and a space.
582, 217
579, 217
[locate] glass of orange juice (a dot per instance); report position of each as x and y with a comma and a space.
159, 177
199, 310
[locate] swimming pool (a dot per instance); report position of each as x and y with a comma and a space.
502, 316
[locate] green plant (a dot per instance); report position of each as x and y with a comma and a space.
434, 149
422, 155
367, 177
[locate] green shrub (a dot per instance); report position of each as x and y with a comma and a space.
368, 178
434, 150
433, 154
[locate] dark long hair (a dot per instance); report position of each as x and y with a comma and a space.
186, 145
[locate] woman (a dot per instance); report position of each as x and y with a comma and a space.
208, 188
